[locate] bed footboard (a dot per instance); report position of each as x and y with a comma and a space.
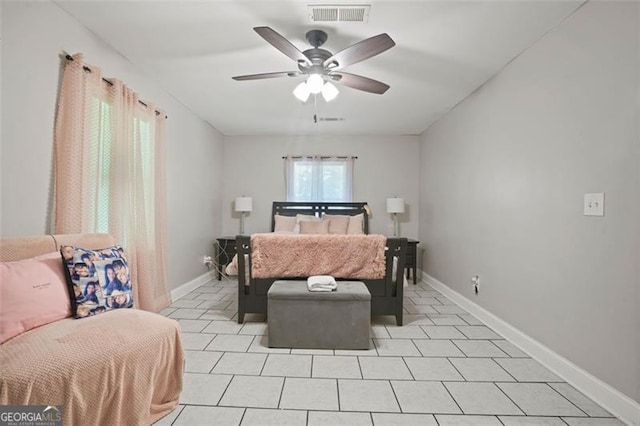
386, 293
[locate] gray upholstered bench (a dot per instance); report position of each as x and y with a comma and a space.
299, 318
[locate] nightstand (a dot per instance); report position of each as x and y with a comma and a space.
225, 250
411, 258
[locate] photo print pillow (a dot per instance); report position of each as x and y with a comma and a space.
99, 280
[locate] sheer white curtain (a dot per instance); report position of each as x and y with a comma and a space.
110, 174
319, 178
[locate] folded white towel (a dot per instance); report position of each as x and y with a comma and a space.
321, 283
322, 288
321, 280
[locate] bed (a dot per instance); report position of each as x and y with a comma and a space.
386, 295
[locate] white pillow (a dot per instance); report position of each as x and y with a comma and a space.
356, 224
284, 223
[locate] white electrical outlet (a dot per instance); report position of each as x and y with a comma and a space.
594, 204
207, 260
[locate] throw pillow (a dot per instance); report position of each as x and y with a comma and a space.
356, 224
338, 224
284, 223
304, 217
313, 227
99, 280
34, 293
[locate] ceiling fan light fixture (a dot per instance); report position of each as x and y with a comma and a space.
302, 92
315, 83
329, 92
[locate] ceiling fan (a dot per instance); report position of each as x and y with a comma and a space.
322, 67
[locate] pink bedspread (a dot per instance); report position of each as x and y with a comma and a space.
342, 256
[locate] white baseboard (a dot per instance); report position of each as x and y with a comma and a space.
609, 398
189, 286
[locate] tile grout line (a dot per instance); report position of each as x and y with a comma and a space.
408, 368
395, 396
505, 370
443, 383
510, 399
464, 379
567, 399
360, 368
284, 382
178, 415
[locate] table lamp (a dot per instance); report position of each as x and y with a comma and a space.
394, 206
243, 205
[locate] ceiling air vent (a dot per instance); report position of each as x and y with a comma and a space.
339, 13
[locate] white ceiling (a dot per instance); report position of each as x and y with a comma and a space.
444, 51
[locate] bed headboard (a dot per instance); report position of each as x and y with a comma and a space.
316, 208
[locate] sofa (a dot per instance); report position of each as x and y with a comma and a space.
121, 367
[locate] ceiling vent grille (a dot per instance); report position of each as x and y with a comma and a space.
339, 13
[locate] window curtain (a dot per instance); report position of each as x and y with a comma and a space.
109, 174
319, 178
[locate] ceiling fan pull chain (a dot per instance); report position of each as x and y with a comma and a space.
315, 108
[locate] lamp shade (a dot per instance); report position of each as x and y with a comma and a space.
395, 205
315, 83
302, 92
244, 204
329, 92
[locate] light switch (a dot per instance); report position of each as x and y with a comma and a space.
594, 204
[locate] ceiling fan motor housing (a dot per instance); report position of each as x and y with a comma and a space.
317, 58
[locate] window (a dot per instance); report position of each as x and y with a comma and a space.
102, 168
319, 178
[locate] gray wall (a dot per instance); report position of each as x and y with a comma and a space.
386, 166
501, 193
34, 35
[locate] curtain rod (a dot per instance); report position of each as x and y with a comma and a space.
319, 156
86, 68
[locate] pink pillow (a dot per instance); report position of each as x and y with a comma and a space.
34, 293
313, 227
338, 224
305, 218
284, 223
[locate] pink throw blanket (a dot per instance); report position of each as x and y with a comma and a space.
341, 256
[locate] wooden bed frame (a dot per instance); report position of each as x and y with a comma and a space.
386, 296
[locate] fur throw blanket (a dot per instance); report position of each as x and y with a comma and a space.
341, 256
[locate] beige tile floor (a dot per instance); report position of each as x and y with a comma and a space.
443, 367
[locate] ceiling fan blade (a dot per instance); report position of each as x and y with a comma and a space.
359, 82
360, 51
266, 75
282, 44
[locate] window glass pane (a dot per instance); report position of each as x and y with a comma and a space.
333, 181
303, 181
